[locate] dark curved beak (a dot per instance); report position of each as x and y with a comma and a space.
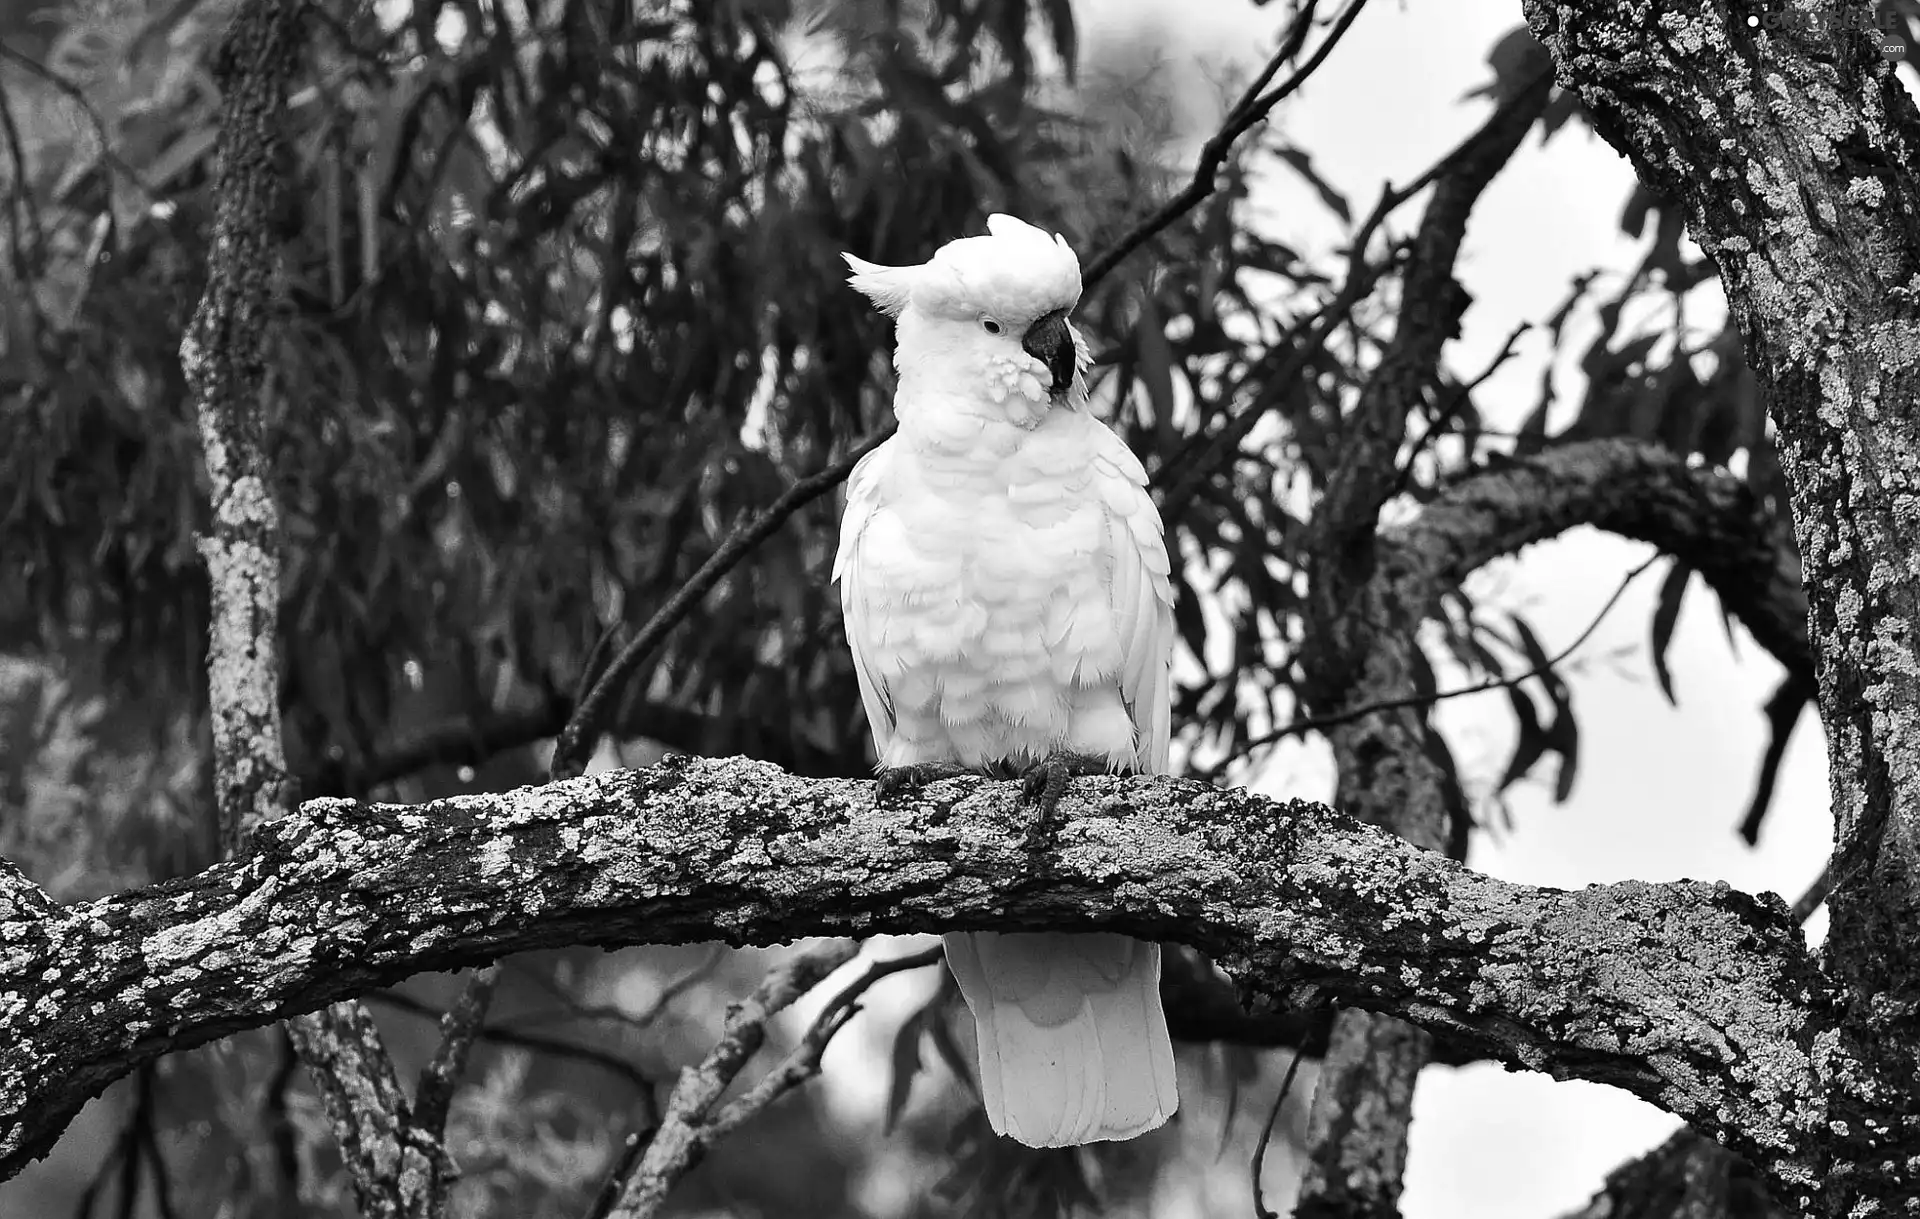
1049, 341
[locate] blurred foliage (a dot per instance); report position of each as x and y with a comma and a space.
562, 303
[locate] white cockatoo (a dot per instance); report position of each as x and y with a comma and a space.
1004, 581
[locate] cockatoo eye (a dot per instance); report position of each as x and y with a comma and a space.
990, 324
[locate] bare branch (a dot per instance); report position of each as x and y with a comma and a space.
494, 1034
397, 1168
803, 1061
1266, 1133
684, 1132
582, 732
458, 1028
1318, 723
1252, 107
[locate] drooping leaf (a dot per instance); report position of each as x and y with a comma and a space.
1531, 742
1517, 60
1666, 613
1783, 713
906, 1062
1640, 204
1302, 164
1155, 362
1563, 738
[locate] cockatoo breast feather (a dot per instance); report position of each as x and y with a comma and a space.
1008, 597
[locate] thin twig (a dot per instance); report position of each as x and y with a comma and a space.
1443, 420
555, 1046
1266, 1134
124, 1154
1317, 723
458, 1027
147, 1131
582, 733
1816, 894
640, 1021
1250, 109
803, 1061
691, 1122
631, 1148
276, 1106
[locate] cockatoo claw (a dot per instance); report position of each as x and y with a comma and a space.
895, 781
1046, 781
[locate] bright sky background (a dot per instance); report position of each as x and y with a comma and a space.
1661, 789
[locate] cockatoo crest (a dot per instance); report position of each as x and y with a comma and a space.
1016, 273
985, 312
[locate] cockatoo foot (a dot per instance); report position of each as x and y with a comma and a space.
1046, 780
895, 781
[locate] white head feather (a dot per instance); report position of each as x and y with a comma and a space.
964, 312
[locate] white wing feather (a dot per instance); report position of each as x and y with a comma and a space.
1142, 595
856, 602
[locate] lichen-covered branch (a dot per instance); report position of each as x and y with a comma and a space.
1686, 1177
398, 1167
1708, 519
1794, 151
224, 357
1700, 998
398, 1170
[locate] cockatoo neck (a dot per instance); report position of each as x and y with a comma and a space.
957, 430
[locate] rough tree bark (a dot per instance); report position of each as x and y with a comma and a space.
396, 1163
1796, 154
1695, 996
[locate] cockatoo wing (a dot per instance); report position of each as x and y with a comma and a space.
857, 606
1142, 595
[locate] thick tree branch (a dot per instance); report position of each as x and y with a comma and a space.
1803, 187
398, 1170
1686, 1177
224, 357
1708, 519
1694, 996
